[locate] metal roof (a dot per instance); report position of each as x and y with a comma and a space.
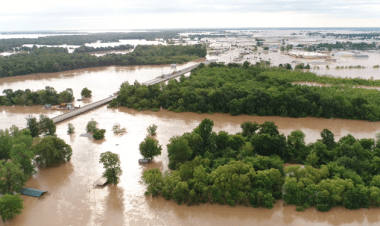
32, 192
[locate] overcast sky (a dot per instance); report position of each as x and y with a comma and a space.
147, 14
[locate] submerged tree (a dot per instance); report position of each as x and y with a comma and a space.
91, 126
152, 129
10, 205
86, 92
111, 163
12, 177
21, 154
52, 150
149, 148
32, 125
70, 128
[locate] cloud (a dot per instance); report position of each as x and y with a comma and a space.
74, 13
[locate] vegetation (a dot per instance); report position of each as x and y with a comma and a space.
152, 130
41, 60
341, 45
44, 125
255, 90
247, 168
92, 126
52, 150
40, 97
10, 44
111, 163
10, 205
149, 148
99, 134
70, 128
88, 49
118, 130
12, 177
86, 92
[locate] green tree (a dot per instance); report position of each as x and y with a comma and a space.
86, 92
178, 151
328, 138
152, 130
91, 126
10, 205
32, 125
21, 154
149, 148
12, 177
111, 163
153, 178
70, 128
47, 125
99, 134
52, 150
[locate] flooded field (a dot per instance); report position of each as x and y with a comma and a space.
73, 200
277, 58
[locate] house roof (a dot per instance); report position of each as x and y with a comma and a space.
32, 192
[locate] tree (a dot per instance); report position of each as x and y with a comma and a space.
282, 48
111, 163
178, 151
47, 125
70, 128
99, 134
91, 126
249, 128
21, 154
86, 92
149, 148
153, 178
328, 138
152, 129
12, 177
10, 205
32, 125
52, 150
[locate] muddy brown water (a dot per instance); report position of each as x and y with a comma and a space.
73, 200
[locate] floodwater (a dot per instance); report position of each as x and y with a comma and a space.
103, 81
277, 58
73, 200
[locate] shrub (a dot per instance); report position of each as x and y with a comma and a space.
86, 92
152, 130
99, 134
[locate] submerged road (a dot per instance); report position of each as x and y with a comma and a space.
99, 103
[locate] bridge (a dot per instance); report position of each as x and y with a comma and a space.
99, 103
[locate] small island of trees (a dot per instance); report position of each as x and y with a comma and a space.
247, 168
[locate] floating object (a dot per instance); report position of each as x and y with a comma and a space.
101, 181
32, 192
144, 161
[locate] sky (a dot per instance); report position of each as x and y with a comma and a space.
25, 15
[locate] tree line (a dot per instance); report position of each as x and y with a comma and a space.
41, 60
252, 90
9, 44
40, 97
339, 45
89, 49
247, 168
